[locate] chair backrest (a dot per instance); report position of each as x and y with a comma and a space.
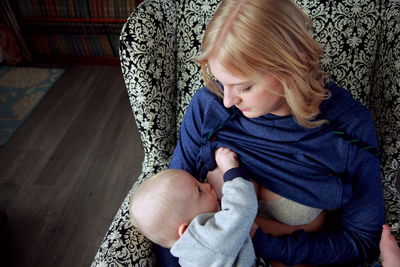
148, 63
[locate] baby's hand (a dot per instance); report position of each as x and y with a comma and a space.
226, 159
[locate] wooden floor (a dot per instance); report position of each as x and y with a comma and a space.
66, 170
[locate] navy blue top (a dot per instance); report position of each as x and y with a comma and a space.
314, 167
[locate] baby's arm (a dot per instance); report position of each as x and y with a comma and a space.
227, 159
207, 233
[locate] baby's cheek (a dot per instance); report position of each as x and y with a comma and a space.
215, 178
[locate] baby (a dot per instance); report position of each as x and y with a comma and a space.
176, 211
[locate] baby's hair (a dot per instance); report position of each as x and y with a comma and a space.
251, 38
150, 208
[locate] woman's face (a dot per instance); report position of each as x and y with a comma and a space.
251, 97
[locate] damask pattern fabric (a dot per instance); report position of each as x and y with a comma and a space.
159, 44
384, 101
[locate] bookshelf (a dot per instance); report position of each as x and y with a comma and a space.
73, 31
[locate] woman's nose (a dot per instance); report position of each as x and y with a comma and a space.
230, 98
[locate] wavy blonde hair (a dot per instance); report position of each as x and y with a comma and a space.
255, 37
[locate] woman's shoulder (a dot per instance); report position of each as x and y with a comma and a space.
343, 105
204, 94
204, 99
345, 113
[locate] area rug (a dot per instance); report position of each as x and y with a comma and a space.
21, 90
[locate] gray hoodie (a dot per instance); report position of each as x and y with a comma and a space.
222, 238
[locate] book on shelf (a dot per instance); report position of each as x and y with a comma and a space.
114, 31
74, 39
95, 33
84, 9
74, 28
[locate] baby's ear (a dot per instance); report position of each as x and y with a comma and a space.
182, 228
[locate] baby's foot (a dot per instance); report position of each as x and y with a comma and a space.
390, 251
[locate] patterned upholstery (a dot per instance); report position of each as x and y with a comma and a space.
384, 101
158, 43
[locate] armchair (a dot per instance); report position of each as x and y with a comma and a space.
361, 40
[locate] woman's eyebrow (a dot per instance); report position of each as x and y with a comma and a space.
235, 84
239, 84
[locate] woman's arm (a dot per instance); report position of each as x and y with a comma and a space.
190, 139
354, 237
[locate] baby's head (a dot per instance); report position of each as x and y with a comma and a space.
163, 205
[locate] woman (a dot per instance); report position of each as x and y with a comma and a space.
269, 101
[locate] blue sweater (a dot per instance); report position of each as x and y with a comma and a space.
314, 167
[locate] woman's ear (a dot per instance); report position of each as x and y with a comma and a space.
182, 228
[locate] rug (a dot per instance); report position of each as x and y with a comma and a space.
21, 90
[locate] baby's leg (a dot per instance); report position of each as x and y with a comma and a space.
390, 251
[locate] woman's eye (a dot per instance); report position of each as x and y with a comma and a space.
244, 89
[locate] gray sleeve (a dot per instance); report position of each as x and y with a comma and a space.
222, 238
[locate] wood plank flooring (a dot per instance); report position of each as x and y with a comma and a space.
66, 170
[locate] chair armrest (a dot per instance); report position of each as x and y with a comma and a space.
148, 63
124, 245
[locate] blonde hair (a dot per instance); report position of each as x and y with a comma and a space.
153, 208
255, 37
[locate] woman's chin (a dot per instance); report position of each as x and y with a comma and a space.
250, 115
